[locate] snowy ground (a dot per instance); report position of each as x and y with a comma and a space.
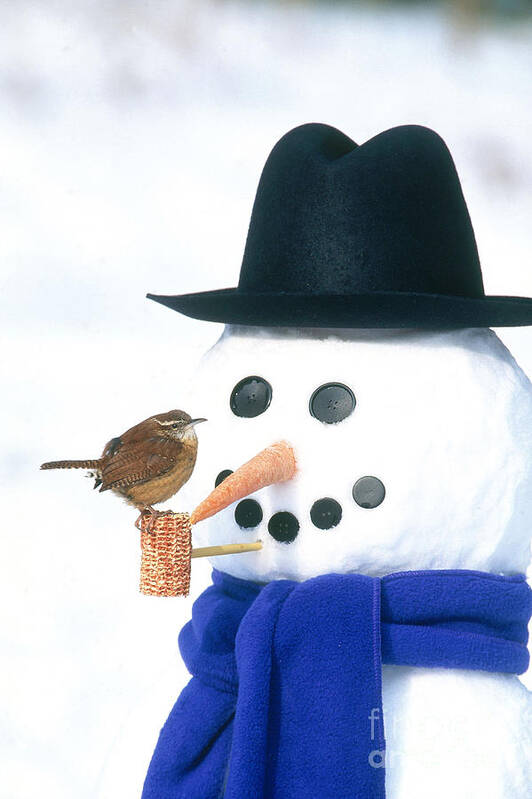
132, 139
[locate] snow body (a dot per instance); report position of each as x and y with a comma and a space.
444, 420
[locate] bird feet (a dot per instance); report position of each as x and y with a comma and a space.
153, 514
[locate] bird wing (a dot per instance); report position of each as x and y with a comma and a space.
140, 432
139, 462
112, 447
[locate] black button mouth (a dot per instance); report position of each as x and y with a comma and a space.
283, 526
221, 477
369, 492
248, 514
326, 513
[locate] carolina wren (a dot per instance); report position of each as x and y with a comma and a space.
148, 463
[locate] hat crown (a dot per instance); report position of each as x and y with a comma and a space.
332, 217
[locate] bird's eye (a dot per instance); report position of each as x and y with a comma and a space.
251, 397
332, 403
175, 426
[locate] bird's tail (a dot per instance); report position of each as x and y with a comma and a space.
94, 464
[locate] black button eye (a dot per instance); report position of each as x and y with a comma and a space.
332, 403
326, 513
368, 492
248, 513
251, 397
221, 477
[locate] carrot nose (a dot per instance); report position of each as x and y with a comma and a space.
275, 464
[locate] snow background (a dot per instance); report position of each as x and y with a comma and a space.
132, 138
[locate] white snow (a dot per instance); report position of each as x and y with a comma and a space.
452, 732
132, 139
444, 420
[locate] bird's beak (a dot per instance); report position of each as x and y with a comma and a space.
194, 422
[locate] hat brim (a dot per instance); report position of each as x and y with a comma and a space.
375, 310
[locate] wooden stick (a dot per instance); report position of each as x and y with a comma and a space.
225, 549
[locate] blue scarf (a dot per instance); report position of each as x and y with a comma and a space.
285, 698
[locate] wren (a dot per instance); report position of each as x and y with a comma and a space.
148, 463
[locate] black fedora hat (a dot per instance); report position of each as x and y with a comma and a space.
369, 236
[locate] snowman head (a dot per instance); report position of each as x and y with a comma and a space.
413, 448
413, 451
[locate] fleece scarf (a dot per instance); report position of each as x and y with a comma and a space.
285, 698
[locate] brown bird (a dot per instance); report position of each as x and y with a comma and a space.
148, 463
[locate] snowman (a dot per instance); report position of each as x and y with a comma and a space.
375, 436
